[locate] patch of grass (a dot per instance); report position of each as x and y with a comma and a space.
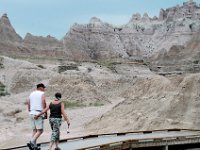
41, 66
3, 91
1, 66
2, 85
64, 68
96, 104
1, 63
26, 102
19, 119
89, 69
196, 62
110, 64
12, 113
73, 104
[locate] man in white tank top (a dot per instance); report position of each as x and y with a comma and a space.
36, 103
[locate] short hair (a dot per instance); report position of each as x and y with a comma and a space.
58, 95
41, 85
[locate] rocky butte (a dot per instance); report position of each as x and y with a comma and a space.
144, 75
142, 37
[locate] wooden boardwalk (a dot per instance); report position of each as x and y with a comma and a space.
169, 139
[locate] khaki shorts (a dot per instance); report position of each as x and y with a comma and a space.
36, 124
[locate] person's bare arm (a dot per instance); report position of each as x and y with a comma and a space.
44, 104
64, 114
44, 111
29, 106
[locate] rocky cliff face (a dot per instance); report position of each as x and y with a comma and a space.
95, 40
154, 103
179, 58
42, 43
7, 32
11, 44
142, 37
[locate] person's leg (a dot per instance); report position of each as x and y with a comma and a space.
55, 124
34, 132
50, 145
33, 140
57, 145
37, 134
51, 122
39, 126
33, 125
58, 124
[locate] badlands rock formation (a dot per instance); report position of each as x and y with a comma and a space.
143, 75
142, 37
42, 43
7, 32
87, 84
154, 103
11, 44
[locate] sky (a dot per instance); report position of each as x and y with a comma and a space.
55, 17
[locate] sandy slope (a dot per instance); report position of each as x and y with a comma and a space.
134, 99
155, 103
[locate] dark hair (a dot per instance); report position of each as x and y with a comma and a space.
58, 96
41, 85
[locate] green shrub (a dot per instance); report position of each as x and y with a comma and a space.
73, 104
64, 68
19, 119
1, 62
41, 66
196, 61
96, 104
13, 112
3, 91
110, 64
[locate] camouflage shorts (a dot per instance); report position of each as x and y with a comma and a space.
55, 124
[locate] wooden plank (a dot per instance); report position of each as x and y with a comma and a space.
90, 136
